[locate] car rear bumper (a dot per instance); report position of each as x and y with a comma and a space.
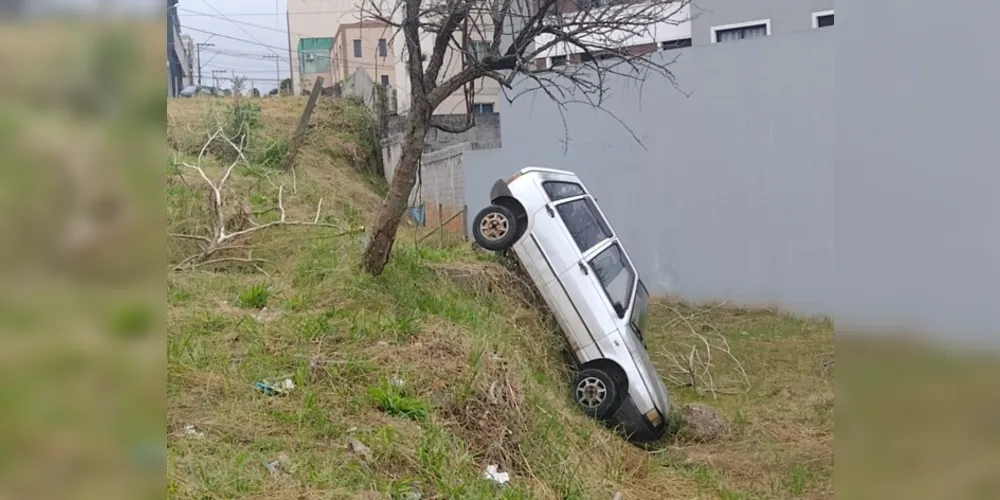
635, 425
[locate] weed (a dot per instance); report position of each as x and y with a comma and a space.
797, 480
391, 398
272, 156
255, 297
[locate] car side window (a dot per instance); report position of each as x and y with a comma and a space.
616, 276
584, 222
561, 190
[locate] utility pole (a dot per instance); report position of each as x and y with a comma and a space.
215, 79
198, 47
277, 70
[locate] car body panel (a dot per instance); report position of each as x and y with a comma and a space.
568, 283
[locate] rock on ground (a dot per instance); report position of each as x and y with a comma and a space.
702, 423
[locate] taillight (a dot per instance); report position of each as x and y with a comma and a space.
654, 417
515, 176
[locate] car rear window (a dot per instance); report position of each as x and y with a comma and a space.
560, 190
584, 222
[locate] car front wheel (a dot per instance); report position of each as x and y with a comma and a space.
596, 393
495, 228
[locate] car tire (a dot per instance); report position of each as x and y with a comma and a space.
595, 392
495, 228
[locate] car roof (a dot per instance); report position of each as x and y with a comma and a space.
545, 170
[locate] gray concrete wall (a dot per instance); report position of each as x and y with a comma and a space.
787, 16
486, 131
360, 85
732, 197
918, 238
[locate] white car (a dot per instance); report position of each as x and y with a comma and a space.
562, 239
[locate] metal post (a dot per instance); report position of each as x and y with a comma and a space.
198, 47
465, 222
277, 70
440, 225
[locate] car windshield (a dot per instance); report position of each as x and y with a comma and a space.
640, 313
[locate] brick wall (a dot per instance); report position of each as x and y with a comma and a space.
442, 186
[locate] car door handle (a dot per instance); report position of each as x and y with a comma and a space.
548, 208
583, 267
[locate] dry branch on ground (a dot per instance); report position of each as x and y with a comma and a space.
705, 349
230, 228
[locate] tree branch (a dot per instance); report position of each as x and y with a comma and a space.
436, 123
458, 11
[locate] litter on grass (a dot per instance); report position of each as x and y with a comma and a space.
193, 431
493, 474
275, 388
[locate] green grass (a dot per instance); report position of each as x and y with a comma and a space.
390, 397
254, 297
346, 338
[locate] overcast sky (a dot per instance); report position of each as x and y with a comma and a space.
243, 32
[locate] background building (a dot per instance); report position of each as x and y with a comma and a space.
338, 22
188, 62
313, 60
315, 20
367, 45
175, 51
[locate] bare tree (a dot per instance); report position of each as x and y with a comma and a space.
238, 82
509, 35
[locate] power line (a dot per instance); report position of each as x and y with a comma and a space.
237, 39
378, 68
253, 25
251, 42
244, 30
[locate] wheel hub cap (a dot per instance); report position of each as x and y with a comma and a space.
590, 392
494, 226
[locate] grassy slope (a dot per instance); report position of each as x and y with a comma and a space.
483, 377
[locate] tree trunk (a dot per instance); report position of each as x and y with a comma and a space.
394, 205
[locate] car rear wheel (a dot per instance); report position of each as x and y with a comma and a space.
495, 228
596, 393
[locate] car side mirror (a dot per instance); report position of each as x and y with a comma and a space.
619, 310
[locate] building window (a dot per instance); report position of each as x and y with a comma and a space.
385, 81
558, 61
741, 31
481, 108
479, 49
822, 19
383, 49
357, 48
675, 44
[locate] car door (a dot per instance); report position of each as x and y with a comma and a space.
584, 231
614, 278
